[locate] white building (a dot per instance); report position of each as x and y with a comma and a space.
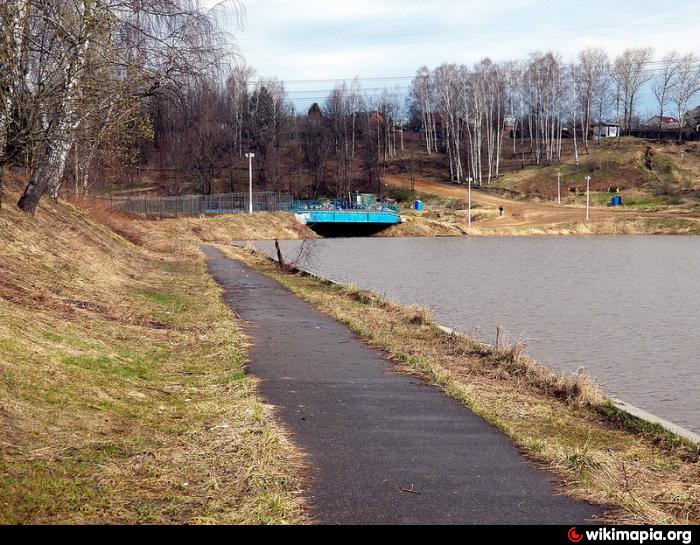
605, 130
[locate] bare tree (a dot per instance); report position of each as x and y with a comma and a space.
662, 84
422, 94
575, 74
631, 74
237, 85
301, 259
338, 111
686, 84
354, 102
594, 66
14, 23
316, 144
140, 45
448, 85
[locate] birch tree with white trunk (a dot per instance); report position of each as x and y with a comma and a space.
686, 84
144, 43
631, 73
662, 84
594, 65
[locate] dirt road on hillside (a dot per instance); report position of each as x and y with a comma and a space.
521, 213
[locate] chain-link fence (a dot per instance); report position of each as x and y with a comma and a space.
197, 205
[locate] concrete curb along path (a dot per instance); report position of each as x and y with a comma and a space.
385, 448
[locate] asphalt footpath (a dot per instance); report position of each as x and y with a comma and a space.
383, 448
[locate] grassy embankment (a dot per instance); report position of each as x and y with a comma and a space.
564, 423
670, 181
661, 192
666, 180
123, 392
187, 233
447, 216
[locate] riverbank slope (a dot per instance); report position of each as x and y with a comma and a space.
446, 204
124, 396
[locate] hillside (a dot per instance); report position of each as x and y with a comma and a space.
665, 178
123, 392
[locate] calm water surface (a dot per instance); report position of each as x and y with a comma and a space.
625, 308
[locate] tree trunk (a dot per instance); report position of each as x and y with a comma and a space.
46, 178
3, 139
282, 266
2, 179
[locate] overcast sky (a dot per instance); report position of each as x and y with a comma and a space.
335, 39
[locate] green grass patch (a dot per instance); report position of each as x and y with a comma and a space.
109, 365
45, 489
174, 302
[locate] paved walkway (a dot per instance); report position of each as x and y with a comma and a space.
385, 448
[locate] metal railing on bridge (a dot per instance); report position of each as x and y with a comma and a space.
326, 204
198, 205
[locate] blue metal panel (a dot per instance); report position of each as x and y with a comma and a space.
351, 216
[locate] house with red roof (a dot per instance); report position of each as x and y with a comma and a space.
666, 123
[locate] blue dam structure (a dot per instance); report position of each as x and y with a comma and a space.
337, 220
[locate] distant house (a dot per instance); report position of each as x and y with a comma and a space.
605, 130
692, 119
666, 123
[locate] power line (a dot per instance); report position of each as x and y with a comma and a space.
490, 32
647, 71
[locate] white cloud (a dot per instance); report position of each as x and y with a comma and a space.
330, 39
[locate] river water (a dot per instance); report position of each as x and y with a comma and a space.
627, 309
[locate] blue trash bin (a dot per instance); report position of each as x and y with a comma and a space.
418, 206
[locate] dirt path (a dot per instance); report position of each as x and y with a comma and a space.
384, 448
519, 213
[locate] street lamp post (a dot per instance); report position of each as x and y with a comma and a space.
250, 181
559, 186
588, 197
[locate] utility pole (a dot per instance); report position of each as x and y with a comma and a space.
559, 186
588, 197
250, 178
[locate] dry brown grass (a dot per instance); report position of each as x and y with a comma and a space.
123, 396
636, 226
562, 422
454, 223
423, 227
185, 235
